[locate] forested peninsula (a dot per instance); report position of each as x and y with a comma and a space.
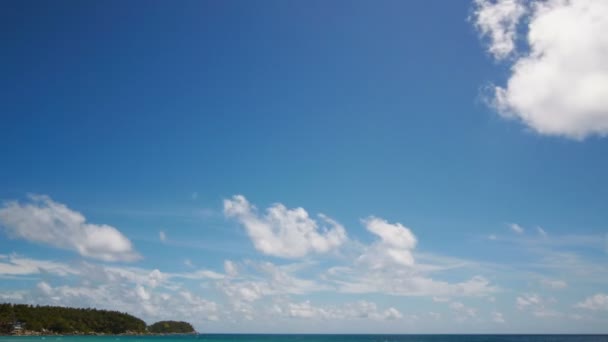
20, 319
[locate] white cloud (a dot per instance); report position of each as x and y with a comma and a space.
462, 310
527, 300
143, 302
255, 281
162, 236
348, 311
458, 306
434, 315
541, 231
394, 235
230, 268
247, 291
516, 228
395, 245
306, 310
498, 21
200, 274
287, 233
15, 265
44, 221
142, 293
537, 305
261, 279
405, 282
498, 317
596, 302
386, 266
392, 313
95, 273
559, 83
44, 287
148, 294
385, 276
155, 278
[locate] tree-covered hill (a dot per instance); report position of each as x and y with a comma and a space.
171, 327
62, 320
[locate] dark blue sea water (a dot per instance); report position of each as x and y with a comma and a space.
315, 338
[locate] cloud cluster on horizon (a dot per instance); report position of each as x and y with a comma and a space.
252, 290
384, 266
558, 53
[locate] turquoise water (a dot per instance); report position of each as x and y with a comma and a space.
315, 338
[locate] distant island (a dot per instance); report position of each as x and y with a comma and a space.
21, 319
171, 327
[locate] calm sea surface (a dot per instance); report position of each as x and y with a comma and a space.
316, 338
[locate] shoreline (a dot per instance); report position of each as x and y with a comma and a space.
47, 334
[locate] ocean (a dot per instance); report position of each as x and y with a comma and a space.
312, 338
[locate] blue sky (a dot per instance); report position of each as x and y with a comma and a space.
172, 160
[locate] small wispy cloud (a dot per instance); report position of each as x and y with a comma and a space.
516, 228
541, 231
497, 317
537, 305
596, 302
462, 310
162, 236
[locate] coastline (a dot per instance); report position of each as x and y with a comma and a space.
51, 334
